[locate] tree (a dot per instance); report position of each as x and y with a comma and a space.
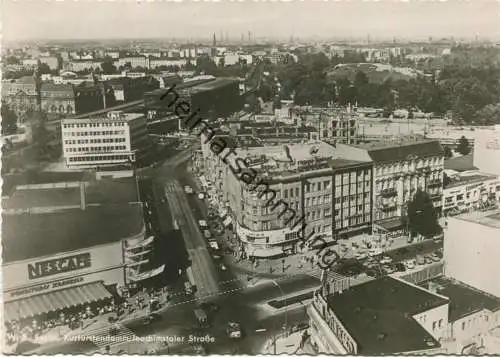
108, 67
447, 152
9, 120
446, 180
463, 146
422, 216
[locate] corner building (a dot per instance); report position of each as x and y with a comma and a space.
303, 185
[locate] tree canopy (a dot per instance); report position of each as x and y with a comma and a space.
9, 120
463, 146
422, 216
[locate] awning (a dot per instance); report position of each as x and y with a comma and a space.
265, 252
55, 300
148, 274
142, 243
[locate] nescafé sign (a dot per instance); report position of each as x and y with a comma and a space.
59, 265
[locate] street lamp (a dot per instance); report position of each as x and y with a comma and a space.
274, 282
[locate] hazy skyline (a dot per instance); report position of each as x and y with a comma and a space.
98, 20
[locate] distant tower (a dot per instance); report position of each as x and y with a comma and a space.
242, 37
214, 41
368, 39
227, 37
249, 36
220, 37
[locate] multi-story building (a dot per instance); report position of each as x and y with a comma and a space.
50, 61
379, 317
399, 170
127, 89
133, 62
64, 99
338, 126
117, 139
470, 190
82, 65
21, 95
332, 195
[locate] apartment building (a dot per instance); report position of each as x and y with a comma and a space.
116, 139
400, 168
331, 196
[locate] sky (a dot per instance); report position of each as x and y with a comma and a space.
86, 19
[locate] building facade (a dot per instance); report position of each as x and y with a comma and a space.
400, 169
116, 139
21, 95
337, 126
332, 197
470, 190
347, 320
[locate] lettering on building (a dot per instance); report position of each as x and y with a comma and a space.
58, 266
45, 287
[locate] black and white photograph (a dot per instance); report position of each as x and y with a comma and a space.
250, 177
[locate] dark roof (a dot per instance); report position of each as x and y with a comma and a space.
216, 83
462, 180
343, 163
185, 85
30, 235
464, 300
401, 151
102, 192
391, 224
378, 315
51, 87
460, 163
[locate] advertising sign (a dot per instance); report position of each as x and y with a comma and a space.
59, 265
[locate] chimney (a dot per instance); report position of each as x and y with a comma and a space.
82, 196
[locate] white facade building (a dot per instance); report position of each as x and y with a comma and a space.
104, 141
470, 190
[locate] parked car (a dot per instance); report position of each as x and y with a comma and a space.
410, 264
386, 260
374, 273
223, 267
210, 306
389, 269
299, 327
420, 260
400, 267
374, 252
435, 257
428, 259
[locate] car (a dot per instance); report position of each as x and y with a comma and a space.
410, 264
389, 269
207, 234
360, 255
428, 259
374, 252
223, 267
374, 273
420, 260
438, 253
210, 306
435, 257
386, 260
400, 267
151, 318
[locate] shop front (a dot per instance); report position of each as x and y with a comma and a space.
45, 286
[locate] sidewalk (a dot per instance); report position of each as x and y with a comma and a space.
290, 344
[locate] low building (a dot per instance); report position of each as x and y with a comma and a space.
473, 318
338, 126
385, 316
127, 89
470, 190
70, 244
115, 139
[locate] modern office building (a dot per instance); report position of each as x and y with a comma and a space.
116, 139
400, 168
332, 195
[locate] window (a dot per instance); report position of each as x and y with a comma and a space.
434, 323
463, 326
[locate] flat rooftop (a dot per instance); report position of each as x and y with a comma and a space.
104, 118
381, 151
460, 180
59, 194
379, 316
215, 83
486, 218
464, 300
37, 234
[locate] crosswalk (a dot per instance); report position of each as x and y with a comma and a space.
331, 275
